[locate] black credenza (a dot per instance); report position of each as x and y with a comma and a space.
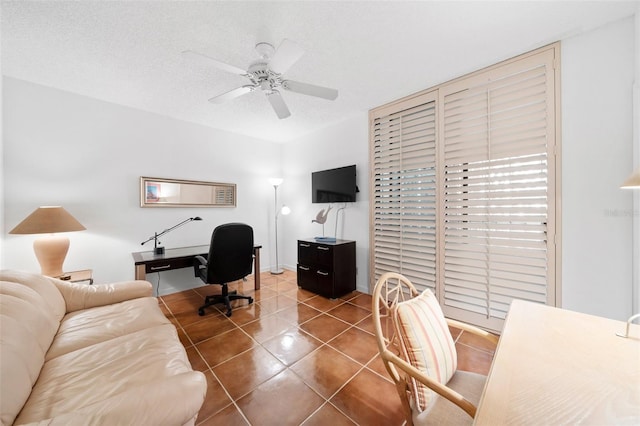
327, 268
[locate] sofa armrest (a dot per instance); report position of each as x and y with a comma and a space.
82, 296
173, 400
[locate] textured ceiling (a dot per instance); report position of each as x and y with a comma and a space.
372, 52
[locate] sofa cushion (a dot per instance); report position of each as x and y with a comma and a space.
87, 327
30, 312
426, 343
49, 296
94, 374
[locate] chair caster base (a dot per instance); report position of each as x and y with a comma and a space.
201, 312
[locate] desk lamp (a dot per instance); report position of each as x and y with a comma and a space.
633, 181
160, 250
50, 251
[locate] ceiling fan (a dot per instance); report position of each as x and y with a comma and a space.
266, 74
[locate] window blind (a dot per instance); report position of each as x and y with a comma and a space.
463, 188
495, 149
404, 204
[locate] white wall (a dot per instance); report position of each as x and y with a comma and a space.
335, 146
597, 122
2, 228
636, 165
88, 155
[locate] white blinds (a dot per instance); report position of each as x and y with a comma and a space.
495, 199
463, 191
404, 203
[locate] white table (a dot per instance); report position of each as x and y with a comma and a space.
554, 366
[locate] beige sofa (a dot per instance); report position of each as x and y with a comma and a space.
101, 354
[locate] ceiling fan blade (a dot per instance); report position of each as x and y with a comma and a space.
286, 55
208, 61
276, 101
310, 89
232, 94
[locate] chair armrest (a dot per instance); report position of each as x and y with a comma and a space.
82, 296
199, 263
473, 329
435, 386
174, 400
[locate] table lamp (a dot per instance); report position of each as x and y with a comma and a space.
50, 250
633, 181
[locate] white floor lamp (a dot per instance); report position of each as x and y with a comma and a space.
283, 210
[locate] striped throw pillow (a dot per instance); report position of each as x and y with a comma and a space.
426, 343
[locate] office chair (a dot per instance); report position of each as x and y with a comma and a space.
230, 259
419, 354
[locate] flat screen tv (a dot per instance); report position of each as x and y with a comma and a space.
334, 185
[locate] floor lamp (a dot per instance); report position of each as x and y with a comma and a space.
50, 251
285, 211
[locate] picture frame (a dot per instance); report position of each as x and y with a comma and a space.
164, 192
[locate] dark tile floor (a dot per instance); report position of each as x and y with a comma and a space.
293, 357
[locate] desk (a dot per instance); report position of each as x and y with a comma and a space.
554, 366
182, 257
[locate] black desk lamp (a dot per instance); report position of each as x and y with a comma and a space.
160, 250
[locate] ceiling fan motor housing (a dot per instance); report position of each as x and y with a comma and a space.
260, 75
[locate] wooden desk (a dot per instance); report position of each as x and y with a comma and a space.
554, 366
182, 257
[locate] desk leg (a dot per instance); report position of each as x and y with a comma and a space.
256, 269
141, 273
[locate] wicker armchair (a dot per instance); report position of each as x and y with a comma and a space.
418, 352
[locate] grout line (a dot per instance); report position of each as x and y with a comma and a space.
273, 288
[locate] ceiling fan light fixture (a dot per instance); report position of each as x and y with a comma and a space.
265, 50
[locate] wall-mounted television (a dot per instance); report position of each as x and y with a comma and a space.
334, 185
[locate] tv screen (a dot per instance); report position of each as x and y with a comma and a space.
334, 185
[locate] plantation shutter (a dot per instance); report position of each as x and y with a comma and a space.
497, 144
463, 180
404, 200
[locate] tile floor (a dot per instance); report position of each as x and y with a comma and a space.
293, 357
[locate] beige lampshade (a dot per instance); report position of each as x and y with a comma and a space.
50, 251
633, 181
48, 220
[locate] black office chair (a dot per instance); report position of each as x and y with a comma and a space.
230, 259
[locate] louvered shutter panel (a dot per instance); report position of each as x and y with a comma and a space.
403, 201
497, 200
463, 180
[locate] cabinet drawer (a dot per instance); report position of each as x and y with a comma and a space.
324, 280
307, 278
167, 264
324, 255
306, 253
